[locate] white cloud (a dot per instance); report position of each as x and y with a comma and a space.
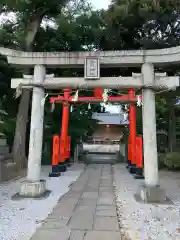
5, 17
100, 4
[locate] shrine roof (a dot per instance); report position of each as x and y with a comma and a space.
110, 118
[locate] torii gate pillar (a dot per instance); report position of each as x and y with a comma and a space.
34, 186
132, 132
150, 191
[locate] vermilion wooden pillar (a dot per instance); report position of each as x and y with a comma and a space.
139, 158
55, 157
132, 132
64, 128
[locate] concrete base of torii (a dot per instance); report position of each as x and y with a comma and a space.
33, 189
153, 194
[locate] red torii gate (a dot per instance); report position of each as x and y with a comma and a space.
61, 143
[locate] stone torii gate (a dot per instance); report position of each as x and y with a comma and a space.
147, 80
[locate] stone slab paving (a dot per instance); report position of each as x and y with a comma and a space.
148, 221
87, 211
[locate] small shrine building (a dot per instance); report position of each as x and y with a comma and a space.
110, 127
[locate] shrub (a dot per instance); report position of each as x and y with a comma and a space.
172, 160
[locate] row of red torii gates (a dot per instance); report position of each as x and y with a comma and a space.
61, 143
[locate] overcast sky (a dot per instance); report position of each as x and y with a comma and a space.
98, 4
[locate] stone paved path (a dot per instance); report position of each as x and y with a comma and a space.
86, 212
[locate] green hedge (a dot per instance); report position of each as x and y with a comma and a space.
172, 160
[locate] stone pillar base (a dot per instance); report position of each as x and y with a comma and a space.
132, 169
62, 167
33, 189
55, 171
68, 162
154, 194
129, 164
139, 173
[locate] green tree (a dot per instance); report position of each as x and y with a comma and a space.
29, 15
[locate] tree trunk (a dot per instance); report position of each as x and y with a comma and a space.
20, 132
19, 144
172, 124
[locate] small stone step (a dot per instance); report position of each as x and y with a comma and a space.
100, 158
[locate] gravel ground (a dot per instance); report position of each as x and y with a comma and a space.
20, 219
148, 221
